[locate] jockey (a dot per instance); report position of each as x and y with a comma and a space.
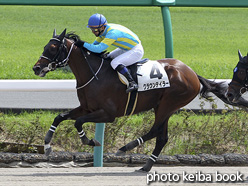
129, 49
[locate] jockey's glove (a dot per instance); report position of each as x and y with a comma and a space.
105, 55
79, 43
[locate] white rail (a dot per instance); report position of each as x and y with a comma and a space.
61, 94
37, 85
38, 94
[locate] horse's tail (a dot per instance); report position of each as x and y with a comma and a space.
218, 89
208, 86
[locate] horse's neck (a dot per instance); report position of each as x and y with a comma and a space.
80, 67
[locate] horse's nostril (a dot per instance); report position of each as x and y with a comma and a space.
36, 68
229, 95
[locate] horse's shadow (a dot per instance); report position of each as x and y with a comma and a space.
104, 174
85, 174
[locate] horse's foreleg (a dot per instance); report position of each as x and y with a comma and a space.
97, 116
61, 117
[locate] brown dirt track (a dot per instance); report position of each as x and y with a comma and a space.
109, 176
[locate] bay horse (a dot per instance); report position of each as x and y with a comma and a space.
239, 83
103, 97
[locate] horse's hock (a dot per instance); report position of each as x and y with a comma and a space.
68, 159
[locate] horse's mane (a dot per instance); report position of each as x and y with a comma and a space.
72, 36
75, 38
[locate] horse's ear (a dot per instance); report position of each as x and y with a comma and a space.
240, 56
62, 35
54, 33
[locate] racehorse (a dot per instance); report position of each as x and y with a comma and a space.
103, 97
239, 83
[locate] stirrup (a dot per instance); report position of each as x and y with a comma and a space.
132, 86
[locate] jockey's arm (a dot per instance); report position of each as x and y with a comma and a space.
99, 47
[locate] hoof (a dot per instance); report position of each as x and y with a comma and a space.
47, 149
120, 153
94, 143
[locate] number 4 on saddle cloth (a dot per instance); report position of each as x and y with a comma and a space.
149, 75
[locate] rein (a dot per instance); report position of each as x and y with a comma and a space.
92, 77
86, 59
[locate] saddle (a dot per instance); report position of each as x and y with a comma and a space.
133, 71
148, 75
132, 96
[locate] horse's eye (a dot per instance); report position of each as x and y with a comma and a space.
241, 74
53, 48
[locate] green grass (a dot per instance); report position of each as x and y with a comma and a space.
206, 39
188, 133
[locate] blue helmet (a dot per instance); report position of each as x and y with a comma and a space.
97, 21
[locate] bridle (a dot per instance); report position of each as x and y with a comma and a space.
55, 62
236, 81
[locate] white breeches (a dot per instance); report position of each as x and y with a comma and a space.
126, 58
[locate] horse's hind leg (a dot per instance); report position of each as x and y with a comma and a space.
131, 145
161, 140
61, 117
154, 132
159, 130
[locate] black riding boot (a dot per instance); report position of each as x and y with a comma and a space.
132, 84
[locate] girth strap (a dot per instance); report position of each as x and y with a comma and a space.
131, 103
